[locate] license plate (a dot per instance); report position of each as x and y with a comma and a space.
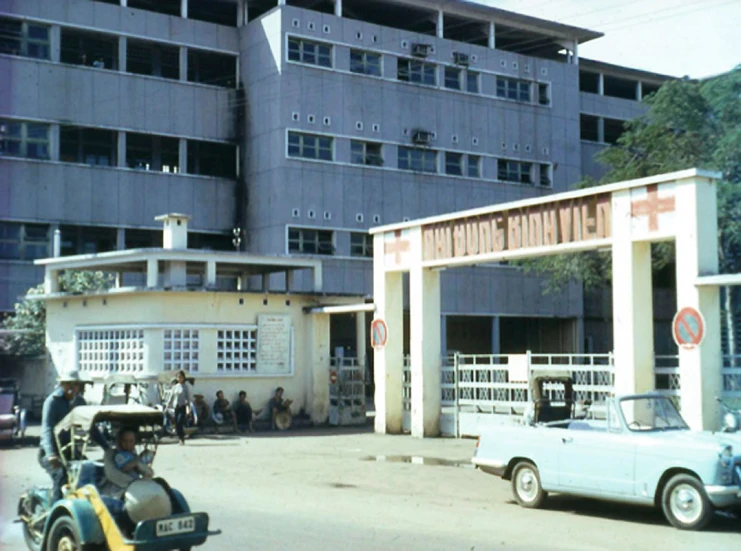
171, 527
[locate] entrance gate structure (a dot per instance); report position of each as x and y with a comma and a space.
625, 218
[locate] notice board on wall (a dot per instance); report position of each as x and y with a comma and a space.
274, 350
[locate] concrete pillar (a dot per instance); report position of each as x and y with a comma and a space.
184, 9
639, 91
492, 35
51, 281
632, 303
318, 278
55, 43
601, 84
289, 281
183, 63
338, 8
389, 362
265, 283
281, 2
424, 302
697, 254
211, 273
361, 338
242, 13
318, 354
152, 272
56, 241
444, 335
54, 142
601, 129
175, 274
124, 3
121, 150
575, 53
579, 335
182, 155
120, 239
496, 344
122, 53
440, 24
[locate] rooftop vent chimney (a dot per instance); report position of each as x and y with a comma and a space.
174, 230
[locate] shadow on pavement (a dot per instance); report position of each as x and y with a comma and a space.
721, 523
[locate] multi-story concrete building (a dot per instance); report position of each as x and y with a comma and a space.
297, 125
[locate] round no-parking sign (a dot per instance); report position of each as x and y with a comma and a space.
688, 328
379, 334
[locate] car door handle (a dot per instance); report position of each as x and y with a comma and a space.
566, 440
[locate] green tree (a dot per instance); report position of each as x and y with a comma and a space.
689, 124
29, 318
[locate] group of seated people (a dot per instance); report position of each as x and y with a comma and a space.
241, 416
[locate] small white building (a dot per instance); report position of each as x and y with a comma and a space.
230, 340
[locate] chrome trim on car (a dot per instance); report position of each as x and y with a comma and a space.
713, 490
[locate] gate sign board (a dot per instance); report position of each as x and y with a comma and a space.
688, 328
379, 334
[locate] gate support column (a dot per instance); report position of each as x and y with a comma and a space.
318, 353
388, 363
424, 302
697, 254
360, 339
632, 303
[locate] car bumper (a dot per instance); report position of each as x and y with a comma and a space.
724, 496
489, 466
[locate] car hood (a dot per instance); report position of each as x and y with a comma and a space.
704, 439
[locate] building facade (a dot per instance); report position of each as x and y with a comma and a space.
291, 127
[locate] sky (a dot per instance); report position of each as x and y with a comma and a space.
698, 38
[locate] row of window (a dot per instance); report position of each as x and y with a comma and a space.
600, 129
417, 159
29, 241
322, 242
100, 147
101, 51
418, 71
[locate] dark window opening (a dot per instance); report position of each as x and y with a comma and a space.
322, 6
212, 68
210, 241
87, 240
24, 38
620, 87
212, 159
307, 51
453, 78
613, 130
23, 241
155, 153
89, 49
258, 8
514, 171
361, 244
366, 153
24, 139
307, 241
453, 163
528, 43
589, 82
310, 146
365, 63
143, 239
544, 97
168, 7
589, 128
545, 175
151, 58
221, 12
514, 89
392, 14
412, 70
87, 146
461, 29
647, 89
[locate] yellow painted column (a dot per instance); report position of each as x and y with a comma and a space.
632, 303
697, 254
318, 355
388, 364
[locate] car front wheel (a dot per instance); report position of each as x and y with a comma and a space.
526, 485
685, 504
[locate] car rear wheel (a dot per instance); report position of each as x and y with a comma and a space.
526, 485
685, 504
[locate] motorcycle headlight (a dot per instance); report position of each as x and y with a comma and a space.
726, 455
730, 422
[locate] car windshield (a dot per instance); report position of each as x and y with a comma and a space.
651, 413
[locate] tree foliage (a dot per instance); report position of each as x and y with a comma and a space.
689, 124
30, 313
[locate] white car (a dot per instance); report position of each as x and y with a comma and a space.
643, 453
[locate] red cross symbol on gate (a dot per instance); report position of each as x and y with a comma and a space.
396, 247
652, 206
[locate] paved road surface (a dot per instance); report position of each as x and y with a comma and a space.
320, 489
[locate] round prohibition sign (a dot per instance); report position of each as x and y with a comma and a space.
379, 334
688, 328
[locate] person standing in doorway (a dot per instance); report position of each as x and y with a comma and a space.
180, 398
